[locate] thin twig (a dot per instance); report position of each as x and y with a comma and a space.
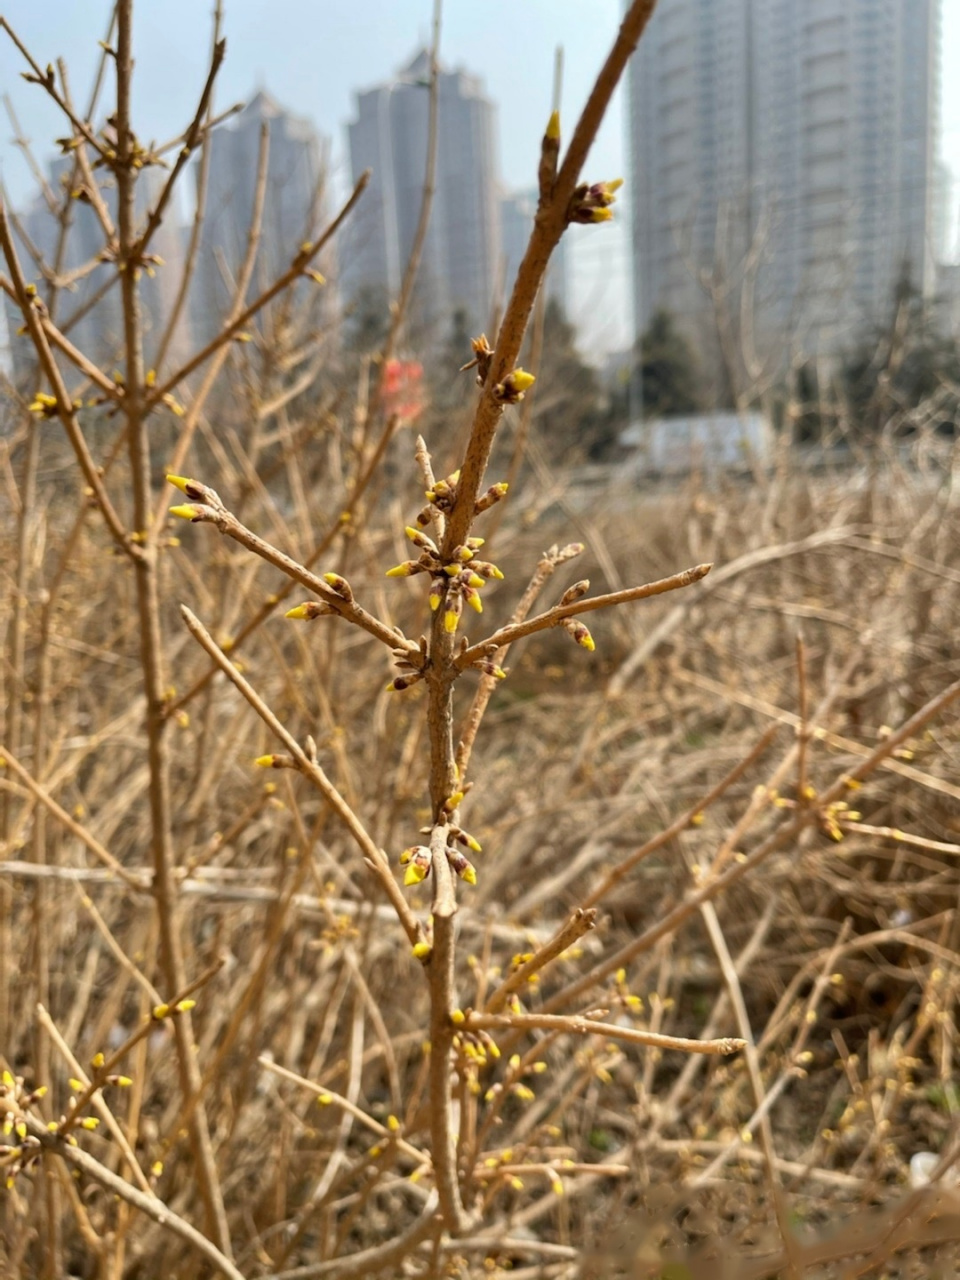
574, 1024
507, 635
147, 1204
374, 857
300, 264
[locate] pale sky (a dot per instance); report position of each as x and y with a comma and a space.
313, 56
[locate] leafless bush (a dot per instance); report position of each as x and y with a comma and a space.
234, 1041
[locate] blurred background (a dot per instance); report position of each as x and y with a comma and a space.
791, 172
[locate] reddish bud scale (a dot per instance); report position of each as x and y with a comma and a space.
575, 592
492, 495
340, 585
403, 682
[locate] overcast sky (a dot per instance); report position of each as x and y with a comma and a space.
313, 55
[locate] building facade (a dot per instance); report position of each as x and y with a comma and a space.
461, 253
783, 160
294, 211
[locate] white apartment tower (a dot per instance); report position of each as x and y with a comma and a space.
461, 254
789, 150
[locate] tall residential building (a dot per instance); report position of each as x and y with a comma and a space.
787, 150
294, 205
461, 253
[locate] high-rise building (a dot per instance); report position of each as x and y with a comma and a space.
294, 205
785, 153
461, 253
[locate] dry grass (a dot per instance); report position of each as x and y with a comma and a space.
844, 950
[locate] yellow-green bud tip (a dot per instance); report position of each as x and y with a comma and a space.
469, 874
522, 380
421, 950
414, 874
299, 611
180, 482
184, 511
587, 642
265, 762
398, 571
450, 622
553, 127
457, 1017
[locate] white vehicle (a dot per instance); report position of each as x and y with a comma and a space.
707, 442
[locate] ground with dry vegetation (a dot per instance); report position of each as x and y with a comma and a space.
830, 944
687, 1009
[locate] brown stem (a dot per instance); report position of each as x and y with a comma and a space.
614, 876
718, 885
441, 977
229, 525
375, 858
575, 927
471, 725
148, 1205
151, 638
65, 410
516, 631
190, 140
548, 228
195, 412
269, 606
576, 1025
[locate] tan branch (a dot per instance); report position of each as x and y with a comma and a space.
230, 526
147, 1204
574, 1024
65, 409
374, 857
516, 631
579, 923
300, 264
75, 828
331, 1097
